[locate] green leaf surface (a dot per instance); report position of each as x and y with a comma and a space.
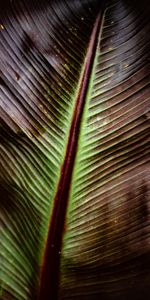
74, 150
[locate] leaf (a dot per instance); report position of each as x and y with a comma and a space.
74, 133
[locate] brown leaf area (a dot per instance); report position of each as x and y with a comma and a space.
109, 225
116, 259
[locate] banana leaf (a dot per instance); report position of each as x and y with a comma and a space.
74, 149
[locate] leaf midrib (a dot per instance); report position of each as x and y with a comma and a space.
49, 282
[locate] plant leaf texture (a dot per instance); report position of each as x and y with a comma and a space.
74, 150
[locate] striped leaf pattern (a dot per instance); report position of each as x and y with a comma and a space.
45, 49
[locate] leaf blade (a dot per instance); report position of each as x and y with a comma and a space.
113, 150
